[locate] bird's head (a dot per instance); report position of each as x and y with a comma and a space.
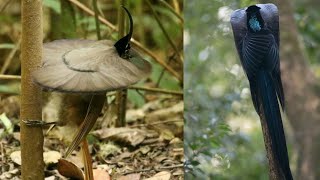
254, 20
123, 44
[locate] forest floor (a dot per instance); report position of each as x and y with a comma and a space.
150, 146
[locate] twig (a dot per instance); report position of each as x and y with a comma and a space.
10, 57
3, 160
135, 43
157, 90
165, 32
138, 171
171, 167
176, 5
96, 17
162, 72
90, 12
10, 77
172, 10
5, 5
151, 169
155, 123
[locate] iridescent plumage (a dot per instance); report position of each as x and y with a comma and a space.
256, 34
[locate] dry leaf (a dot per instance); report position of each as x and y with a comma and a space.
50, 178
100, 174
134, 114
127, 135
130, 177
174, 117
70, 170
163, 175
16, 157
51, 157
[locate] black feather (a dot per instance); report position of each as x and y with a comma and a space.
256, 35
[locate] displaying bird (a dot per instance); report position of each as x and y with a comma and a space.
256, 35
89, 68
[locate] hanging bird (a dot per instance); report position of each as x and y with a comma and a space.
256, 34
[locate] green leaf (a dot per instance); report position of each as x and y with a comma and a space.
6, 122
53, 4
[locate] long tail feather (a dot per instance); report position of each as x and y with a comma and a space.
94, 110
271, 112
87, 160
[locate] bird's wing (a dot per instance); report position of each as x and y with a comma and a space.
254, 49
274, 61
270, 15
87, 66
238, 23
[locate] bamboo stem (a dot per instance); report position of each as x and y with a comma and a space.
274, 173
32, 166
157, 90
96, 16
167, 5
121, 97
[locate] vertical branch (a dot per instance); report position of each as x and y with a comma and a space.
96, 16
274, 173
31, 55
121, 97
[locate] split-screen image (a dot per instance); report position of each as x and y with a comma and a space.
159, 89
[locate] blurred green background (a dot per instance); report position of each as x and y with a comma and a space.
223, 136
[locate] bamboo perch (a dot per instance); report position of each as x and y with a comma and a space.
32, 166
274, 173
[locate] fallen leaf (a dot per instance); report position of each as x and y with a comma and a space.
134, 114
51, 157
126, 135
108, 149
100, 174
163, 175
130, 177
70, 170
50, 178
6, 122
16, 157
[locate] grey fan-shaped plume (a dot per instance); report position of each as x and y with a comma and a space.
88, 66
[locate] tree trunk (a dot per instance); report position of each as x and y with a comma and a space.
302, 98
31, 54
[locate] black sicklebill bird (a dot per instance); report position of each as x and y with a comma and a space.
256, 34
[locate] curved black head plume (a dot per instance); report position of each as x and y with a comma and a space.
122, 45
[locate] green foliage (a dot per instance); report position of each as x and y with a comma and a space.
53, 4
